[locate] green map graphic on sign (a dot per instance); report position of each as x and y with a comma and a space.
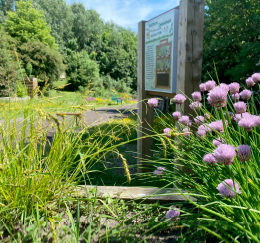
161, 36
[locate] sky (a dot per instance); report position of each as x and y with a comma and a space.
127, 13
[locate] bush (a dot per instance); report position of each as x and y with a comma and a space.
82, 71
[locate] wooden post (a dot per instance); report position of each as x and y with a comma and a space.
145, 113
190, 46
31, 85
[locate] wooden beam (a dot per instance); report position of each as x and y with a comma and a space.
155, 93
145, 113
148, 194
190, 46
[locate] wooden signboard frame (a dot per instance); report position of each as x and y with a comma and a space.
189, 65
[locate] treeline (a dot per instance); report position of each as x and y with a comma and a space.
44, 38
231, 39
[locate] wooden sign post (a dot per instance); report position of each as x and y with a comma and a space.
188, 71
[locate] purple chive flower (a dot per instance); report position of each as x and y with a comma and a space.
152, 102
247, 123
196, 96
210, 85
250, 82
190, 123
179, 99
217, 97
224, 154
217, 142
159, 172
210, 159
187, 132
235, 97
243, 152
184, 120
245, 94
196, 105
176, 115
201, 133
224, 86
234, 88
173, 214
217, 126
256, 77
203, 87
240, 107
225, 190
238, 117
91, 99
167, 132
199, 120
207, 116
257, 120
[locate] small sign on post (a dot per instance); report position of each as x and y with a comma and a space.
169, 62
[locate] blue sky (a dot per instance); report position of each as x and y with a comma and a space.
128, 13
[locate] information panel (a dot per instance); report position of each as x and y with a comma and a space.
161, 45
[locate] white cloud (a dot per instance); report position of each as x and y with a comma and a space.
128, 13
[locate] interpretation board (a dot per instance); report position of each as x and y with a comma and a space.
161, 46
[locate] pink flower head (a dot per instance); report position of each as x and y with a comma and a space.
209, 159
236, 97
184, 120
187, 132
203, 87
152, 102
159, 172
250, 82
207, 116
173, 214
240, 107
247, 123
238, 117
196, 105
257, 120
245, 94
256, 77
224, 86
201, 133
190, 123
196, 96
234, 88
218, 141
205, 127
224, 154
199, 120
179, 99
225, 190
167, 132
210, 85
217, 126
217, 97
243, 152
176, 115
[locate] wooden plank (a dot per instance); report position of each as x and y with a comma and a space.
190, 45
145, 113
155, 93
149, 194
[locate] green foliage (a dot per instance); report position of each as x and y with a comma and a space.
20, 89
9, 68
46, 63
82, 71
231, 39
28, 24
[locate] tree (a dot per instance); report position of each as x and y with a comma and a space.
9, 68
59, 17
82, 71
87, 27
7, 5
231, 39
43, 61
28, 24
